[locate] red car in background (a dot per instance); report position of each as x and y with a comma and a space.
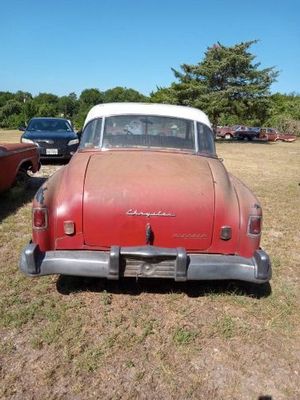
273, 135
237, 132
16, 160
241, 132
228, 132
146, 196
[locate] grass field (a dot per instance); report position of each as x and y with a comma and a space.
12, 136
71, 338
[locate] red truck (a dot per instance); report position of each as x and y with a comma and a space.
16, 160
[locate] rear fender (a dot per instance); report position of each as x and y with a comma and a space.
46, 197
62, 194
248, 205
226, 210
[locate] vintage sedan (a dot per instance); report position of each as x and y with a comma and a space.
16, 161
55, 137
146, 196
273, 135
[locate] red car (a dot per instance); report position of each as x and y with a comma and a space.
272, 135
15, 161
146, 196
235, 132
226, 132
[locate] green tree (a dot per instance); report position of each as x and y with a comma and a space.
30, 110
165, 95
87, 99
5, 97
226, 82
46, 98
46, 105
68, 105
22, 97
90, 97
11, 114
285, 112
123, 94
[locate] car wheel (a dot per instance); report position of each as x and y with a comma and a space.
227, 136
22, 178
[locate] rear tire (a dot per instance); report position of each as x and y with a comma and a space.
22, 178
227, 136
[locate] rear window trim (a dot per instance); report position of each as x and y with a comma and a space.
196, 150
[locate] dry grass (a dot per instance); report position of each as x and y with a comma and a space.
11, 136
71, 338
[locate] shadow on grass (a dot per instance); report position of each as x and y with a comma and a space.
232, 141
17, 196
72, 284
54, 161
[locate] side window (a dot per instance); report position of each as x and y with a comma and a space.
205, 139
91, 134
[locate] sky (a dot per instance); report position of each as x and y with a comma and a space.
64, 46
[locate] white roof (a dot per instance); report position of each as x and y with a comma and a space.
167, 110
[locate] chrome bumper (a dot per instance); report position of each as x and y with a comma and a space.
146, 261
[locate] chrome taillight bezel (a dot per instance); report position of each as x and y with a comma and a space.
252, 217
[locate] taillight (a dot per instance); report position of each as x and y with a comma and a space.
254, 225
39, 218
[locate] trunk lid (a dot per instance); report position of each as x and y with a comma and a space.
125, 191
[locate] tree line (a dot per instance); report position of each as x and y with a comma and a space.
227, 84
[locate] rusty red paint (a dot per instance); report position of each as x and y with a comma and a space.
97, 189
13, 157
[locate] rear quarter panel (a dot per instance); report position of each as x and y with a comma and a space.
248, 205
62, 195
226, 209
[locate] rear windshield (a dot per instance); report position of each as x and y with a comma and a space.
127, 131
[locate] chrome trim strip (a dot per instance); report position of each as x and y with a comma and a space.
102, 133
196, 137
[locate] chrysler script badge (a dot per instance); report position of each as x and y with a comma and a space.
136, 213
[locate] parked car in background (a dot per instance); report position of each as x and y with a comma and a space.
235, 132
146, 196
226, 132
16, 160
274, 135
268, 134
248, 133
242, 132
55, 137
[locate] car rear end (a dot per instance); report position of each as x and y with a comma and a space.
153, 201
